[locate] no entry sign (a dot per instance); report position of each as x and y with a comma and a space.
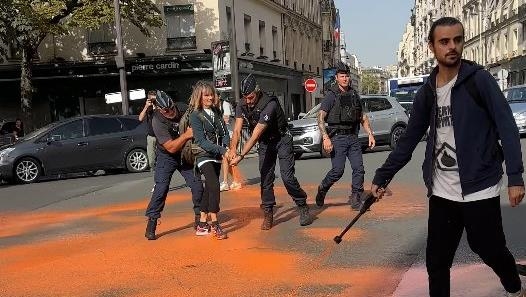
310, 85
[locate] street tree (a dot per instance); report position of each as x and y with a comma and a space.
25, 23
370, 84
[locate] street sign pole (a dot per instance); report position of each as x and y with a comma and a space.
119, 59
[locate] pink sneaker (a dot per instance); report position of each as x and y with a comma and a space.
218, 232
201, 231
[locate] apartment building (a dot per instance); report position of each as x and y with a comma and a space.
405, 53
279, 41
495, 32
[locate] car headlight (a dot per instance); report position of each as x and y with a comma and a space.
520, 116
310, 128
5, 152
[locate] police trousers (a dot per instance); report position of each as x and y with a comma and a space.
165, 167
279, 148
345, 146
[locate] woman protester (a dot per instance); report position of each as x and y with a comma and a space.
211, 135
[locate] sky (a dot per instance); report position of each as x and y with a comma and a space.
374, 28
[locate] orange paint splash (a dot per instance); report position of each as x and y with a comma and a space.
102, 251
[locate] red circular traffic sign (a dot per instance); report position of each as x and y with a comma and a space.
310, 85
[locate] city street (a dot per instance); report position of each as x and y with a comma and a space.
85, 237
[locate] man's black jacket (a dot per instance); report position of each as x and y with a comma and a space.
478, 127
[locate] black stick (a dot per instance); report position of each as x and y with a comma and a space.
521, 269
366, 205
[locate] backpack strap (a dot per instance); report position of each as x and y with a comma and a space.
474, 93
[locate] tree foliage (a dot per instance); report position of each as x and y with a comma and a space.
25, 24
370, 84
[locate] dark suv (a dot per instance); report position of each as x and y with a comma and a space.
78, 144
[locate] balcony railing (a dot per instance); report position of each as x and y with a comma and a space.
102, 48
181, 43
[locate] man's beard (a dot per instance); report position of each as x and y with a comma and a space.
447, 62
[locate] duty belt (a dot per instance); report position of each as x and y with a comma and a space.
340, 131
278, 135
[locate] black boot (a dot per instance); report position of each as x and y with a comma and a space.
150, 229
356, 201
197, 217
320, 196
268, 219
305, 218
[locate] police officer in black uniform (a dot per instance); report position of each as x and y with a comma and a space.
165, 125
342, 110
266, 120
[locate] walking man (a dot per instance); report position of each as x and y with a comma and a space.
341, 109
169, 145
467, 115
266, 120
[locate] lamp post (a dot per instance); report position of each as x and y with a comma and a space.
119, 59
234, 66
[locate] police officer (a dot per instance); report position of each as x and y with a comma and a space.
341, 109
165, 125
266, 120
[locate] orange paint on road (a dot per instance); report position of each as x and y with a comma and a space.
102, 252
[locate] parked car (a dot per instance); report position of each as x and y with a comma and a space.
516, 97
388, 121
80, 144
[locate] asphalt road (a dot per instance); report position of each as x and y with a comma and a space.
381, 256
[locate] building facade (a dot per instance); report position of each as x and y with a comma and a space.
331, 33
279, 41
379, 77
405, 53
495, 35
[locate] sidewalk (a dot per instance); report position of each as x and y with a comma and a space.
467, 280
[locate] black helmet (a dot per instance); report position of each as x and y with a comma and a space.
163, 100
342, 67
248, 85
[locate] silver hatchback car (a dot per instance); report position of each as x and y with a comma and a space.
516, 97
388, 121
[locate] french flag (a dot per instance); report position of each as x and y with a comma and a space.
337, 26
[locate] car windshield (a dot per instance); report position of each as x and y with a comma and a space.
39, 131
313, 113
516, 94
404, 96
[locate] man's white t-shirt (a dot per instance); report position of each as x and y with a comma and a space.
446, 178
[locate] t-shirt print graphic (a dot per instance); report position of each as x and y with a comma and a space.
446, 158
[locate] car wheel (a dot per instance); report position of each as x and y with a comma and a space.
297, 155
27, 171
137, 160
395, 136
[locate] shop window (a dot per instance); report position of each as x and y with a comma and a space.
180, 27
247, 23
102, 41
262, 38
274, 42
